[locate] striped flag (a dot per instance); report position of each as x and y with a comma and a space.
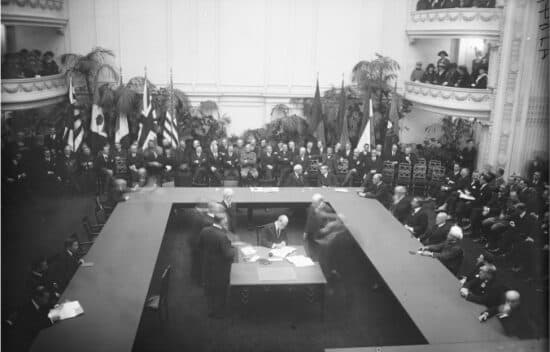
344, 136
72, 95
78, 134
147, 127
170, 131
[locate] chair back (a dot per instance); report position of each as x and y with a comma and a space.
419, 172
259, 233
98, 203
404, 174
388, 172
100, 216
421, 161
438, 174
88, 228
164, 286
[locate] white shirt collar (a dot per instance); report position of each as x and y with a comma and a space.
217, 226
36, 306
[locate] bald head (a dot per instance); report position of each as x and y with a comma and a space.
441, 218
282, 221
455, 234
227, 194
316, 200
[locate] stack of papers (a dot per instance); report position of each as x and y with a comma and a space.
66, 310
300, 261
282, 252
248, 250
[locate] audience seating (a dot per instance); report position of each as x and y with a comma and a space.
404, 174
419, 181
388, 172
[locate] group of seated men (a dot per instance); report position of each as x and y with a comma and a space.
448, 4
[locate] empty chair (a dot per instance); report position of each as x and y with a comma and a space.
421, 161
419, 182
159, 303
404, 174
92, 231
388, 172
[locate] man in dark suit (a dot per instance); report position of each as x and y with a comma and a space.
394, 156
67, 263
268, 163
379, 192
313, 225
511, 315
325, 178
401, 206
230, 209
329, 159
202, 217
39, 276
296, 179
217, 256
231, 163
449, 252
408, 157
483, 288
438, 233
302, 159
273, 235
417, 222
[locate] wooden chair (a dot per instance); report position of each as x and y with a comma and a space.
92, 231
436, 180
159, 303
259, 234
433, 163
388, 172
404, 174
421, 161
100, 216
99, 205
419, 181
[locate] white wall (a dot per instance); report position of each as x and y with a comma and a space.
43, 39
247, 55
413, 126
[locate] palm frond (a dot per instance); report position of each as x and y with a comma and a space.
98, 54
126, 100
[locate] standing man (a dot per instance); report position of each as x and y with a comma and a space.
217, 256
230, 209
313, 226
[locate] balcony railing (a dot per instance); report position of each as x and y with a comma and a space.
27, 93
38, 13
455, 23
467, 102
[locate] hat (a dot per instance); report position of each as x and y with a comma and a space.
442, 52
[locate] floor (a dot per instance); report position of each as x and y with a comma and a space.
355, 313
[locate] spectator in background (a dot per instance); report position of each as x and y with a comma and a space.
451, 76
326, 178
463, 77
423, 5
511, 315
483, 287
441, 75
49, 67
468, 155
401, 205
438, 233
443, 59
429, 75
481, 80
417, 73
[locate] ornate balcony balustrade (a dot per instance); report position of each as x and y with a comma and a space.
450, 100
41, 13
28, 93
455, 23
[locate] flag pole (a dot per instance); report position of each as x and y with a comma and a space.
121, 81
171, 94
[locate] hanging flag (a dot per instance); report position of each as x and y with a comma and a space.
97, 121
393, 116
146, 99
147, 128
365, 136
318, 125
342, 118
78, 134
170, 131
72, 95
122, 128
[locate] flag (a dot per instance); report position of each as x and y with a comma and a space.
342, 118
146, 131
97, 121
72, 95
169, 131
318, 126
365, 136
78, 134
393, 116
121, 129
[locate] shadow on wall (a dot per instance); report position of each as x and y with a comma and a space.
413, 126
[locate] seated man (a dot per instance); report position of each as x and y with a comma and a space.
86, 167
284, 162
401, 205
215, 164
273, 235
67, 263
379, 191
296, 179
438, 233
356, 168
120, 162
105, 167
325, 178
136, 163
199, 164
328, 159
67, 169
449, 252
511, 315
417, 222
39, 276
302, 159
483, 287
268, 163
231, 163
249, 162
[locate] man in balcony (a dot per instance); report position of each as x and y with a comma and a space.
417, 73
49, 67
443, 59
441, 75
481, 80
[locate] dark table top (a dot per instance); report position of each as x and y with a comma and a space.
114, 290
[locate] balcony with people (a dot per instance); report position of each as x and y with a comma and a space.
454, 18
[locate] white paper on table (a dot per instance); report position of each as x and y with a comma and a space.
339, 189
248, 250
66, 310
239, 243
275, 259
253, 259
282, 252
300, 261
